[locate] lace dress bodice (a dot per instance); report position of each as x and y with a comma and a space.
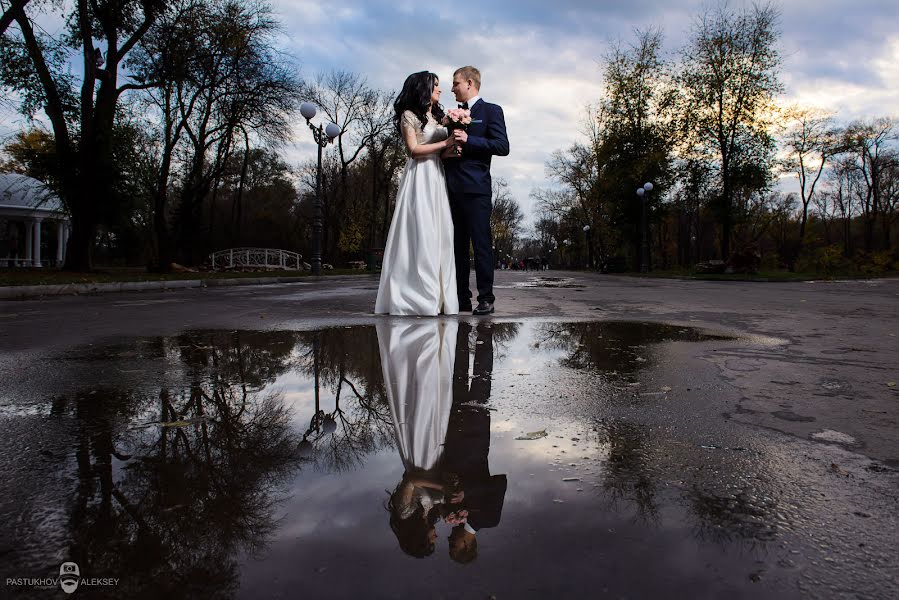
432, 132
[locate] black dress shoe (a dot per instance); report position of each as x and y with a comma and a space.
465, 308
484, 308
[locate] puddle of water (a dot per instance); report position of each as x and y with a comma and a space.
546, 282
378, 460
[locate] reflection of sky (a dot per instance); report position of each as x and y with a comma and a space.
540, 62
299, 396
574, 538
334, 537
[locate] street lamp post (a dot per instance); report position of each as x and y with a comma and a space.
589, 248
323, 135
643, 193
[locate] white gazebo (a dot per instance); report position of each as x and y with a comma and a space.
25, 200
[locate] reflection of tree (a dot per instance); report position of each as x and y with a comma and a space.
503, 334
728, 504
611, 346
345, 363
629, 474
718, 485
198, 485
234, 353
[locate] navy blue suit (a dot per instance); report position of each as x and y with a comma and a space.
470, 193
467, 444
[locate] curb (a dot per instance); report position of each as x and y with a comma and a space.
30, 291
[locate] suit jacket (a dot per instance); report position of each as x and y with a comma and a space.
465, 454
467, 447
470, 174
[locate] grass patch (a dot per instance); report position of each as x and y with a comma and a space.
18, 277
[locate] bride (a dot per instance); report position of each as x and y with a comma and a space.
418, 276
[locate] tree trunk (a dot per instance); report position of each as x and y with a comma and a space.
165, 250
373, 211
240, 186
80, 246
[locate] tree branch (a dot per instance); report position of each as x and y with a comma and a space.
10, 14
53, 107
137, 86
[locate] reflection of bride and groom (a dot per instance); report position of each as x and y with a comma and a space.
442, 427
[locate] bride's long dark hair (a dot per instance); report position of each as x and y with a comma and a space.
416, 96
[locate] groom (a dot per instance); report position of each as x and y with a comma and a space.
466, 450
469, 185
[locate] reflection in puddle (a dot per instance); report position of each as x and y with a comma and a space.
442, 428
546, 282
225, 464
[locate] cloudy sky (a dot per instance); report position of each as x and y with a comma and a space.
541, 60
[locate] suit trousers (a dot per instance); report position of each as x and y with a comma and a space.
471, 227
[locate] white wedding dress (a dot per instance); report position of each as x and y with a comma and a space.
417, 360
418, 272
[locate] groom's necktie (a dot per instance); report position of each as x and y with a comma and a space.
464, 105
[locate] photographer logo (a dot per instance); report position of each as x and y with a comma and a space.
69, 576
69, 580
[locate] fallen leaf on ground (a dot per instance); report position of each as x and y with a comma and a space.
534, 435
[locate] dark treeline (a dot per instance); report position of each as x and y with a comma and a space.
169, 144
706, 129
165, 145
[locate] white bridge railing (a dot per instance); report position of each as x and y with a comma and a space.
262, 258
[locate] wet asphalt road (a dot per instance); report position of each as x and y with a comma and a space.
730, 439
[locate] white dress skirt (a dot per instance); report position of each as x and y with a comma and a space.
417, 360
418, 272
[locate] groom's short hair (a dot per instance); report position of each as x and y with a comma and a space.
470, 72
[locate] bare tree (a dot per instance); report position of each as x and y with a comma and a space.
811, 141
346, 99
220, 85
377, 128
577, 169
870, 145
847, 193
506, 218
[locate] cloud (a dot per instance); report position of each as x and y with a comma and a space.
541, 62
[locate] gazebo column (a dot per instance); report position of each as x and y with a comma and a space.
62, 234
29, 246
36, 262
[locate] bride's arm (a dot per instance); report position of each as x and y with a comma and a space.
409, 128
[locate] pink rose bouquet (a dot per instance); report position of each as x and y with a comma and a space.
457, 118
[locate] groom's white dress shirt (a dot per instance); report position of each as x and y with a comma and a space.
472, 101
